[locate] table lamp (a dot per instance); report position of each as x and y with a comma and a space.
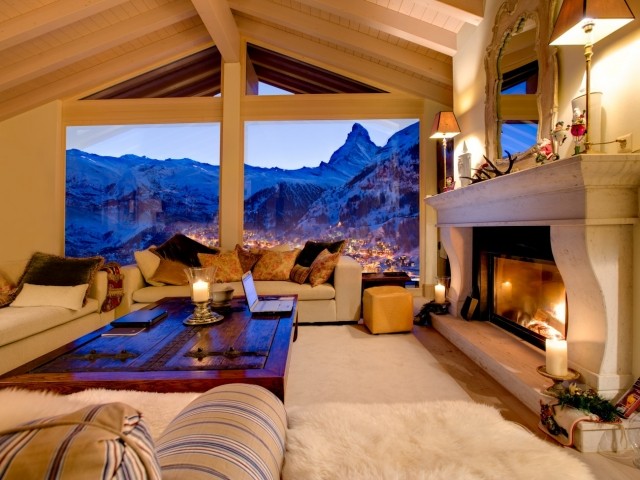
445, 126
585, 22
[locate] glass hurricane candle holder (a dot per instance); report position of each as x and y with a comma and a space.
200, 282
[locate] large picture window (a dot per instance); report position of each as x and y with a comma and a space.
323, 180
132, 186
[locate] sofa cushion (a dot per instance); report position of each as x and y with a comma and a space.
275, 265
322, 267
51, 295
48, 269
182, 249
312, 249
234, 431
299, 274
170, 272
99, 441
17, 323
148, 262
7, 290
227, 265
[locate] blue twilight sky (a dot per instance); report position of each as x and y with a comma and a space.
288, 144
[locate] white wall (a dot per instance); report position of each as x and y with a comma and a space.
32, 184
615, 72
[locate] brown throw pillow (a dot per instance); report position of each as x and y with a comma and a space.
170, 272
248, 258
275, 265
228, 268
312, 249
322, 267
48, 269
7, 290
182, 249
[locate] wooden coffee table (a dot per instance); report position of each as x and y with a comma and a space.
169, 356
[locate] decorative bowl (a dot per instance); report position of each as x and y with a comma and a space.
221, 294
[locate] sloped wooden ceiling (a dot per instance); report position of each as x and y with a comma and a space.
199, 75
67, 49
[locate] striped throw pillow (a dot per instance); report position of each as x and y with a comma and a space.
109, 441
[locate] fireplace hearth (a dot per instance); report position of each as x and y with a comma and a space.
517, 282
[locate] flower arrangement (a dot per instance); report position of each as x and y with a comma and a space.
588, 401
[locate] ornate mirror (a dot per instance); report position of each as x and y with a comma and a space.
519, 53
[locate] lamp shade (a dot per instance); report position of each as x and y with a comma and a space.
445, 125
603, 16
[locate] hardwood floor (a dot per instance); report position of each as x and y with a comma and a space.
481, 387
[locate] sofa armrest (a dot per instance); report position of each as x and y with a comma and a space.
347, 280
98, 289
132, 281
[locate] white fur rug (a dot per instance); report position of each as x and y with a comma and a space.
439, 440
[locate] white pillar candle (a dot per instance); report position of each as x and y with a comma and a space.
440, 293
556, 357
200, 291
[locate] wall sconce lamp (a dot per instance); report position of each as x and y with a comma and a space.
585, 22
445, 126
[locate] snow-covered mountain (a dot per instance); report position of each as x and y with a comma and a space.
116, 205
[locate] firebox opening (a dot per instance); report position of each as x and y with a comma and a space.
518, 284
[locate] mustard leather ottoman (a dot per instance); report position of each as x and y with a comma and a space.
387, 309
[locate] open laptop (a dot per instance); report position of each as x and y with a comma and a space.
284, 305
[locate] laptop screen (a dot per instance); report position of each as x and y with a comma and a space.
249, 288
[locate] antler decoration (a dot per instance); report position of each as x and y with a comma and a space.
488, 170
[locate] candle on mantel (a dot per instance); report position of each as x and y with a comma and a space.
556, 357
440, 293
200, 291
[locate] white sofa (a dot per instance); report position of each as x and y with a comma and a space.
29, 332
337, 302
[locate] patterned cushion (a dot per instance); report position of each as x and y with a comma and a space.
99, 441
248, 258
312, 249
275, 265
322, 267
228, 268
182, 249
47, 269
299, 274
170, 272
7, 290
234, 431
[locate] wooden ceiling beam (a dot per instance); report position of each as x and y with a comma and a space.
343, 63
217, 17
94, 43
347, 38
467, 11
391, 22
80, 84
48, 18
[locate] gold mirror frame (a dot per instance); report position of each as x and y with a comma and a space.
510, 14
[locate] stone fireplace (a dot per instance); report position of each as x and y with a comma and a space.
590, 205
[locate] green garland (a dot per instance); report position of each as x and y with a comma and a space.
590, 402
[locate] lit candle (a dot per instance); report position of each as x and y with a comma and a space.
556, 357
200, 291
440, 293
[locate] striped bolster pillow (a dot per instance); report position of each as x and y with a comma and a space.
109, 441
234, 431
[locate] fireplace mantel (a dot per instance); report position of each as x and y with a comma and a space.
591, 204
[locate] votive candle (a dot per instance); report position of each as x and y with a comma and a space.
556, 357
440, 291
